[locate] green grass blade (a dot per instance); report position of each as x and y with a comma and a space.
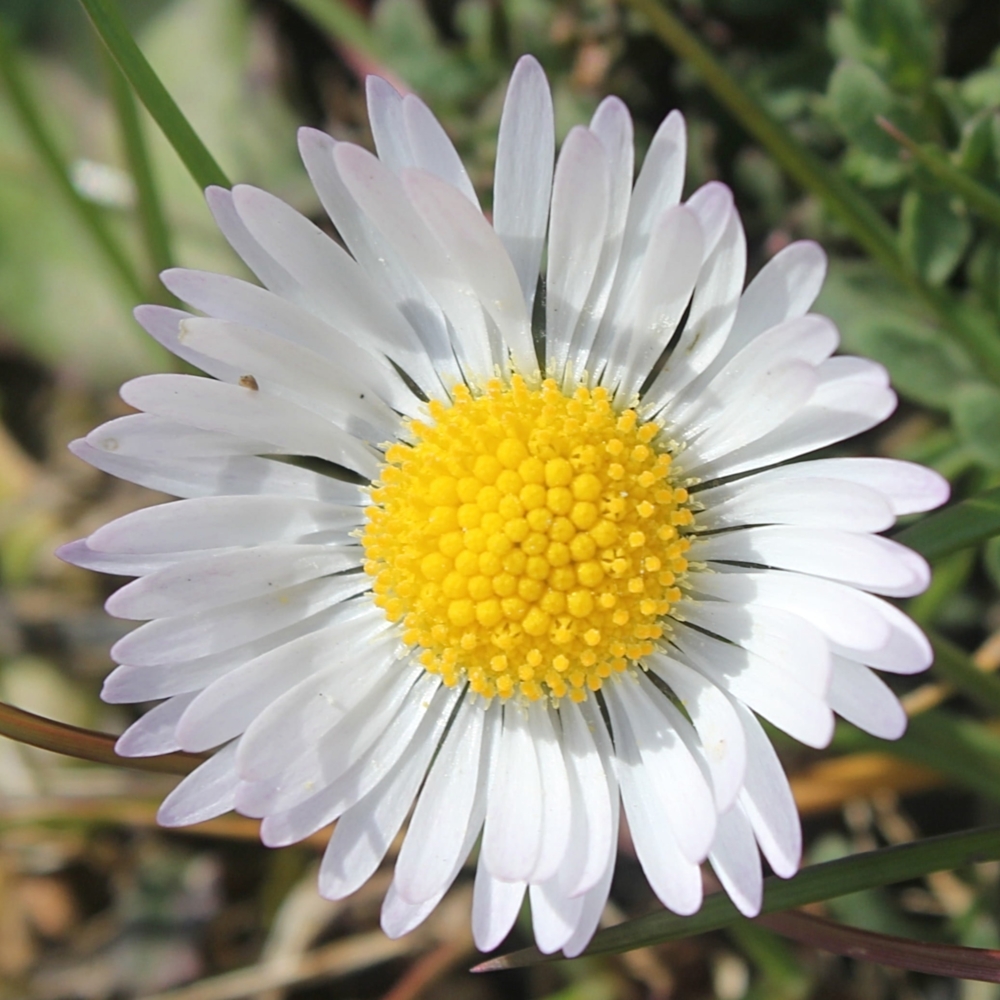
89, 214
811, 885
107, 20
935, 161
151, 217
855, 212
957, 527
951, 664
965, 750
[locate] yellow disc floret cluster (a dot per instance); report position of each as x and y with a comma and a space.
528, 541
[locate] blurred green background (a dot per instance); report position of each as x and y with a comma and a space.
94, 901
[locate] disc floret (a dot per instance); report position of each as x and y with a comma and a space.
529, 541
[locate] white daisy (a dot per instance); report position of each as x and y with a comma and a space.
427, 563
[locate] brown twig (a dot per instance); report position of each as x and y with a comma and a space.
917, 956
85, 744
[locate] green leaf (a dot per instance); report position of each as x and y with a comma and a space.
975, 154
881, 322
991, 560
938, 164
934, 233
857, 97
956, 527
813, 884
983, 271
976, 415
924, 365
107, 20
899, 39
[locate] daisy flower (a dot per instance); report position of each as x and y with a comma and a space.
482, 523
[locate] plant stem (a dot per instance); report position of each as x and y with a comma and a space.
12, 73
108, 22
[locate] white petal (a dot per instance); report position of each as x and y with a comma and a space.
816, 503
292, 724
579, 219
334, 286
437, 833
415, 730
554, 916
383, 265
595, 899
154, 733
138, 683
862, 698
716, 723
736, 861
270, 272
216, 522
385, 113
658, 188
79, 553
366, 830
807, 338
212, 581
556, 795
169, 640
285, 369
512, 838
231, 703
675, 880
666, 279
523, 179
326, 759
713, 309
495, 906
163, 325
591, 803
144, 437
239, 475
208, 791
215, 406
762, 404
228, 298
765, 687
612, 124
712, 204
399, 916
839, 409
470, 240
869, 562
784, 288
433, 150
781, 638
844, 615
383, 199
906, 651
768, 801
909, 488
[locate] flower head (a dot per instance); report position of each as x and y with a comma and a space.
432, 560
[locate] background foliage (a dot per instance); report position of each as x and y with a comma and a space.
873, 127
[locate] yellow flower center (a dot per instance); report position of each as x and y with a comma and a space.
529, 542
